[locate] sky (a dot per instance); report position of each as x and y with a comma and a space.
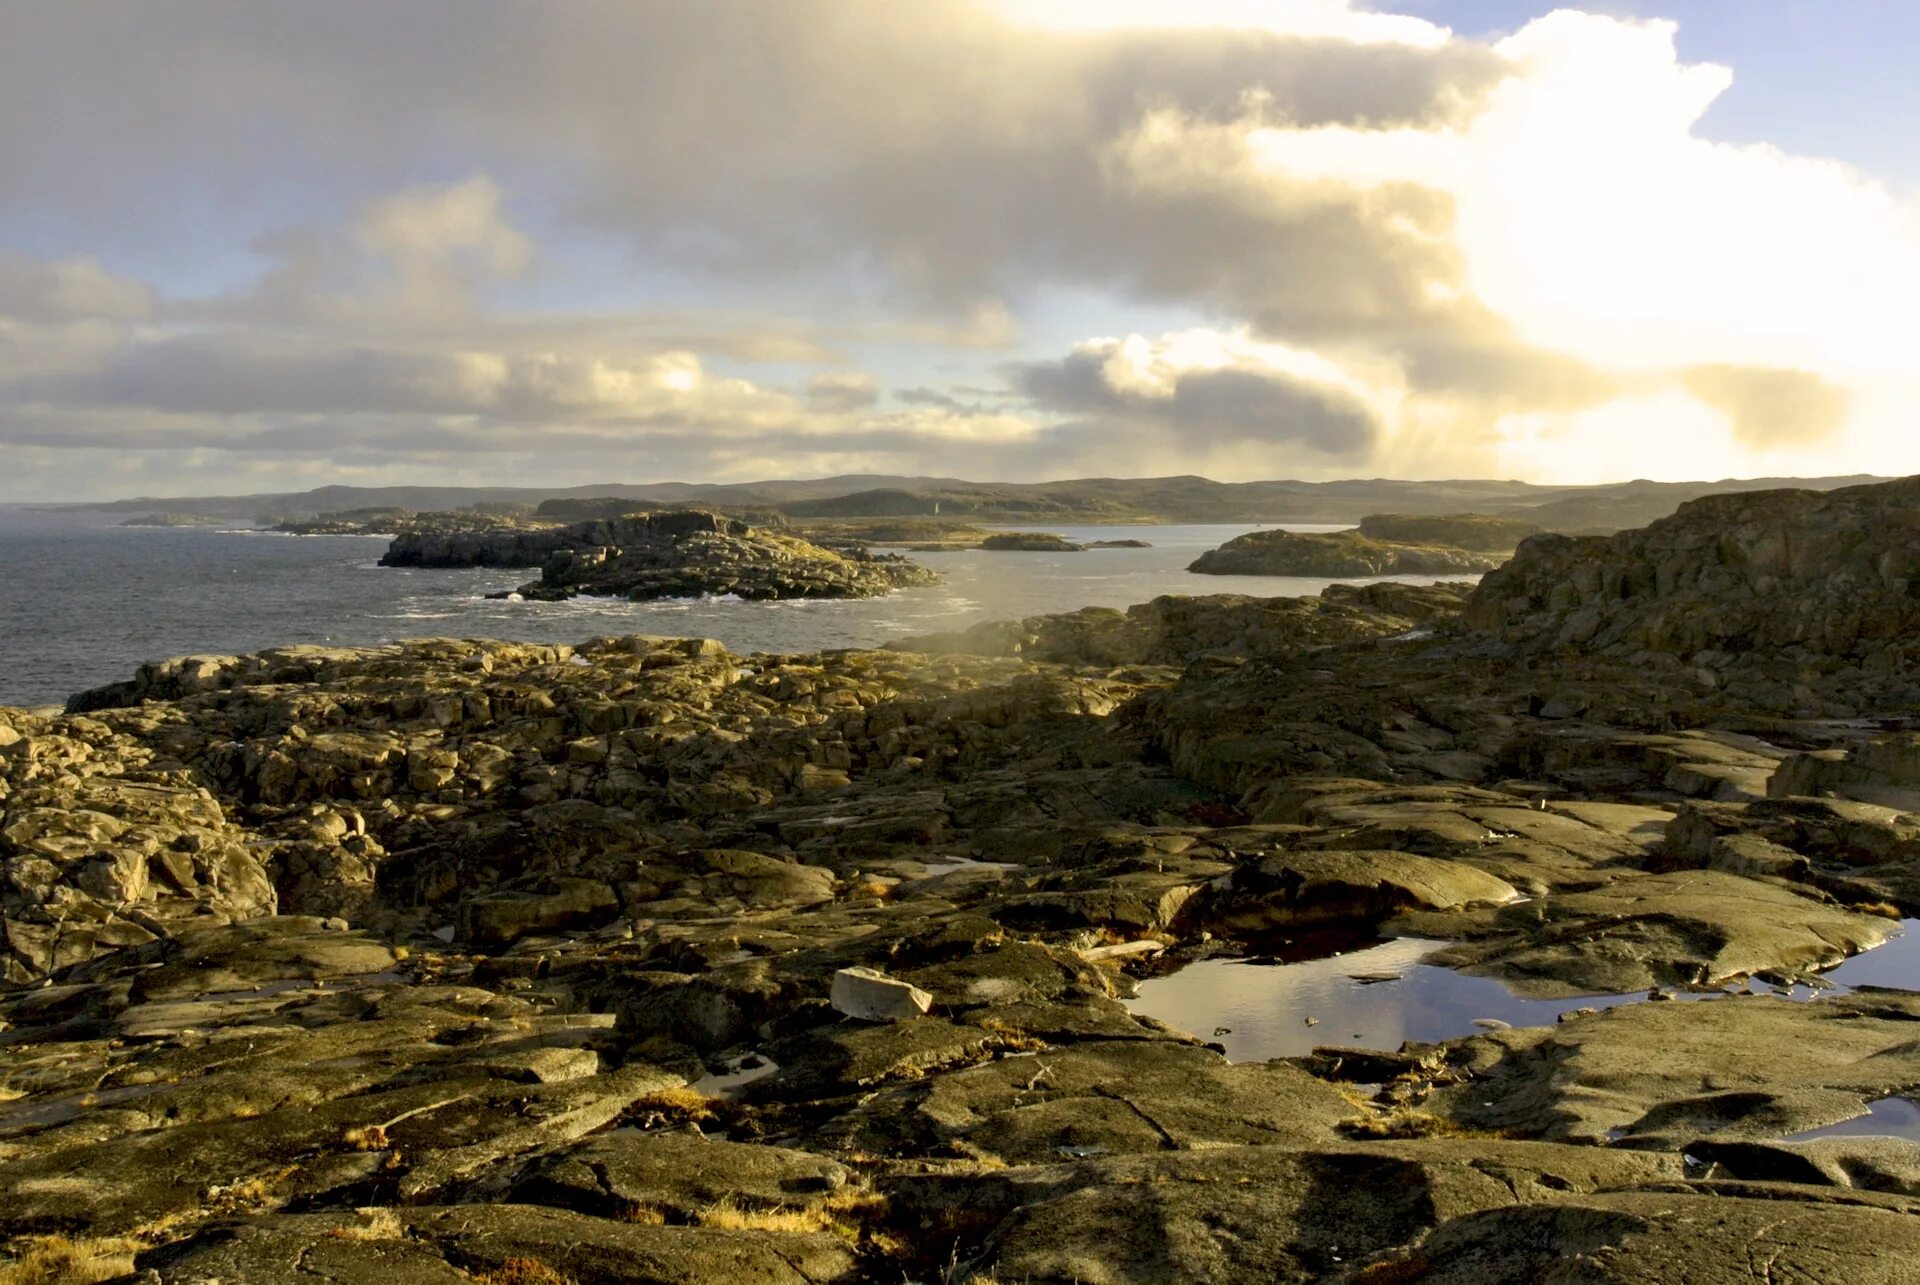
260, 245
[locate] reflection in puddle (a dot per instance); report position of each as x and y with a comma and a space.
741, 1071
1317, 992
1895, 964
1376, 998
1887, 1118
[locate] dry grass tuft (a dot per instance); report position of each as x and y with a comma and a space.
727, 1215
678, 1105
366, 1137
1355, 1098
374, 1224
1398, 1271
853, 1216
1885, 910
248, 1195
56, 1260
1401, 1123
522, 1271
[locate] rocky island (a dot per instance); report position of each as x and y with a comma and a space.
922, 535
671, 554
1480, 532
175, 520
1337, 554
639, 960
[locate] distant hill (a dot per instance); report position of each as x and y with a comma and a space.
1084, 500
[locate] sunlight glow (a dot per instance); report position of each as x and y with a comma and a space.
1322, 19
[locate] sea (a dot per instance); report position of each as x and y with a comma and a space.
85, 600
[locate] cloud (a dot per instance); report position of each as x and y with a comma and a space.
1346, 240
1771, 407
68, 290
1207, 388
838, 392
1327, 19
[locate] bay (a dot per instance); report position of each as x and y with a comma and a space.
84, 600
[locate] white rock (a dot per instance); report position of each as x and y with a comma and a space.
1124, 949
875, 997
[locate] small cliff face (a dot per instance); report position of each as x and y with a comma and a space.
1336, 553
1794, 575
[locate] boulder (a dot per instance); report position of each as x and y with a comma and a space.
872, 996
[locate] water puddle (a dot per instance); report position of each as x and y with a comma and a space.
1377, 997
1895, 964
1887, 1118
740, 1072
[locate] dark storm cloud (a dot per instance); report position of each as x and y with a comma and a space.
1207, 406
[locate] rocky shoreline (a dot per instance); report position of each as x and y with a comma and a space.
643, 961
174, 520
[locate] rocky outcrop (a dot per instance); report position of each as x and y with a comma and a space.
1030, 542
671, 554
379, 521
1807, 596
176, 520
453, 960
1335, 554
1478, 532
1173, 630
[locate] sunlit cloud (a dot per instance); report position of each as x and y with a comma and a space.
1318, 19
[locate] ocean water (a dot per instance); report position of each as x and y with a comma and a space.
83, 600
